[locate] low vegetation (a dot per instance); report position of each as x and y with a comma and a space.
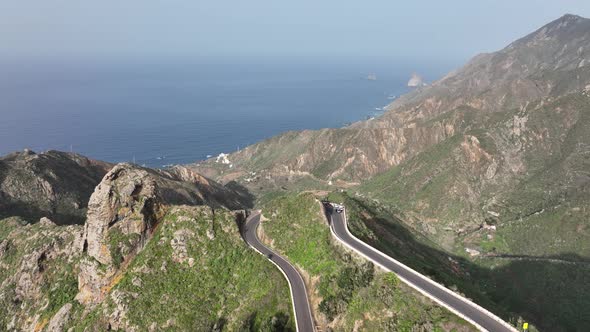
550, 292
347, 292
37, 271
201, 276
195, 274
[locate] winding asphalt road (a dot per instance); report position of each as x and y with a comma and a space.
481, 318
303, 318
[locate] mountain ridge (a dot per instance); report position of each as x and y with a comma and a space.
502, 80
489, 163
51, 184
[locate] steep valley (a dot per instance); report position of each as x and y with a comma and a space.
490, 166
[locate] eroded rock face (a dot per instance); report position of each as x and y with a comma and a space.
125, 200
122, 212
93, 281
60, 319
40, 258
548, 63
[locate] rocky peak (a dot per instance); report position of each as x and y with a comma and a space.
567, 20
552, 61
565, 29
125, 209
122, 213
127, 200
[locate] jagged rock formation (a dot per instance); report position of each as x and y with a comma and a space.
182, 273
124, 210
60, 319
51, 184
125, 199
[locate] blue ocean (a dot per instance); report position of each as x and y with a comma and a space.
174, 112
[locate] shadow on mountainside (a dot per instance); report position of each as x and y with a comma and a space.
71, 186
552, 295
279, 322
51, 184
32, 213
246, 197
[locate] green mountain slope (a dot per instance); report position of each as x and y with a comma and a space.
488, 167
549, 292
159, 251
347, 292
201, 275
531, 176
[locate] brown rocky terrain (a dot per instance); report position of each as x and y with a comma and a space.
52, 184
36, 273
550, 62
503, 138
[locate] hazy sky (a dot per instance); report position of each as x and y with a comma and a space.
149, 28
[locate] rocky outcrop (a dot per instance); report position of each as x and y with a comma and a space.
94, 281
126, 201
40, 260
231, 196
124, 211
51, 265
60, 319
415, 81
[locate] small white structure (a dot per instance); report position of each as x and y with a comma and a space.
222, 158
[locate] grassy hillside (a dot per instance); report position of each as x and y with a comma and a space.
202, 277
550, 292
347, 293
195, 274
497, 173
37, 272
